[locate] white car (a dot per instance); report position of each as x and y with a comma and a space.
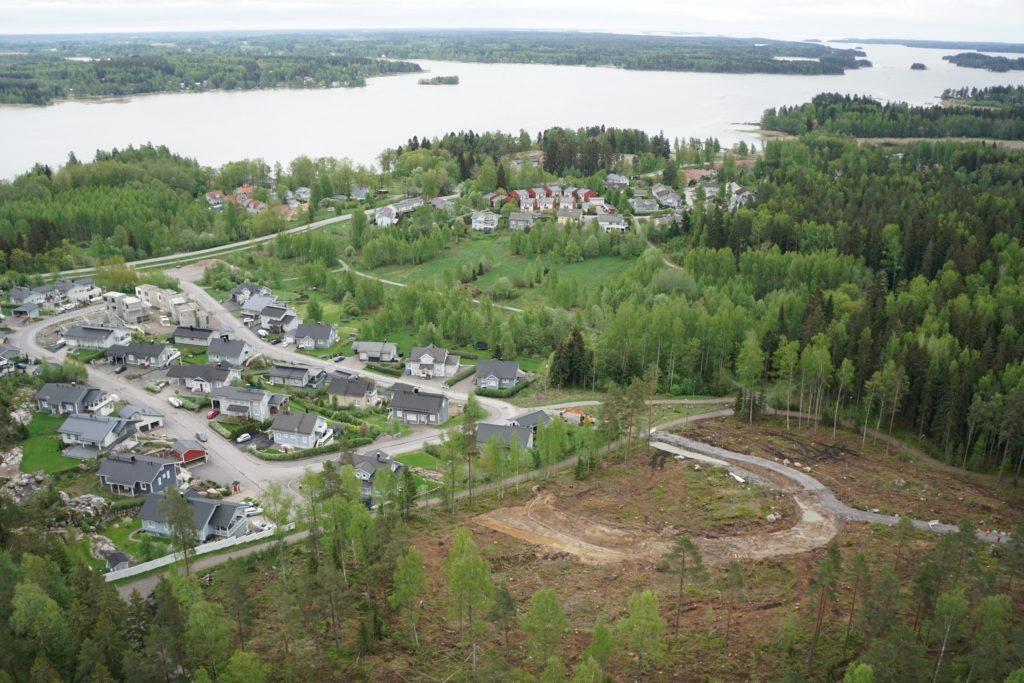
253, 510
262, 333
175, 401
243, 438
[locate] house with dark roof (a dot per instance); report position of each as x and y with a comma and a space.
368, 464
313, 336
186, 451
504, 433
346, 389
28, 311
532, 419
643, 206
92, 337
299, 431
26, 295
431, 361
146, 419
194, 336
612, 222
256, 303
246, 291
88, 435
497, 374
81, 289
566, 214
202, 379
299, 376
418, 407
212, 518
254, 404
231, 351
279, 317
142, 355
68, 399
614, 181
375, 352
128, 474
666, 196
519, 220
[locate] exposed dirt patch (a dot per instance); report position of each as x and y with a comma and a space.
868, 477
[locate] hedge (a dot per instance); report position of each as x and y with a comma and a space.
389, 370
233, 431
459, 376
127, 503
354, 442
505, 393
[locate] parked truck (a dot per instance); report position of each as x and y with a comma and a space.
575, 416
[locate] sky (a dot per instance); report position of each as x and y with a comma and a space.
992, 20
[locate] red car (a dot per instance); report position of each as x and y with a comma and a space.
212, 414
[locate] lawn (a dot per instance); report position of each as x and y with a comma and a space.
42, 448
192, 355
420, 459
142, 547
493, 248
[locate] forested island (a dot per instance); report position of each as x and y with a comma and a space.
42, 71
866, 117
980, 46
918, 66
993, 96
977, 60
440, 80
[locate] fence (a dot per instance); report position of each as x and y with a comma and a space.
202, 549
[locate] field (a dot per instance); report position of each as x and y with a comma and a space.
42, 448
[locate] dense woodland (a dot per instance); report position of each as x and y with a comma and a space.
992, 96
977, 60
863, 116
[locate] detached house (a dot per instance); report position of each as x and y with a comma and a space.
202, 379
24, 295
135, 475
666, 196
279, 318
186, 451
232, 352
212, 518
300, 431
532, 419
611, 222
79, 290
89, 337
194, 336
68, 399
347, 389
504, 433
375, 352
142, 355
314, 336
254, 404
246, 291
518, 220
614, 181
497, 374
368, 464
484, 221
296, 376
89, 435
431, 361
643, 206
419, 407
146, 419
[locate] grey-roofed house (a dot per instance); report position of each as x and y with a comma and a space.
431, 361
614, 181
203, 379
368, 464
26, 295
30, 310
194, 336
89, 435
519, 220
279, 318
67, 399
146, 419
314, 336
254, 404
296, 376
497, 374
643, 206
94, 337
612, 222
142, 355
128, 474
666, 196
375, 352
565, 215
419, 407
504, 433
212, 518
231, 351
11, 353
360, 193
484, 221
532, 419
346, 389
299, 430
256, 303
246, 291
81, 289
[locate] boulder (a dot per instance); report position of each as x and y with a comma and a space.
23, 486
88, 505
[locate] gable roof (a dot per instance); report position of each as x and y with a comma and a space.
183, 446
533, 418
239, 394
217, 372
192, 332
257, 302
502, 369
349, 385
204, 510
374, 347
229, 348
369, 463
132, 469
436, 352
57, 392
418, 402
137, 349
317, 331
90, 427
88, 332
486, 431
131, 410
291, 371
296, 423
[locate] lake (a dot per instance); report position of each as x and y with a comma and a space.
358, 123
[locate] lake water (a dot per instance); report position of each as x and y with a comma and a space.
279, 125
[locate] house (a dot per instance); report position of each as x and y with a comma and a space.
710, 190
614, 181
146, 419
360, 193
190, 314
116, 560
254, 404
300, 431
278, 318
519, 196
517, 220
157, 297
129, 309
418, 407
532, 419
24, 295
142, 355
10, 353
313, 336
135, 475
484, 221
246, 291
385, 216
256, 303
296, 376
390, 215
666, 196
739, 196
232, 352
642, 206
495, 199
88, 435
194, 336
497, 374
347, 389
441, 204
26, 311
215, 198
67, 399
368, 464
546, 204
202, 379
595, 202
584, 195
431, 361
553, 191
528, 204
90, 337
375, 352
212, 518
303, 194
504, 433
610, 222
254, 206
186, 451
566, 215
80, 290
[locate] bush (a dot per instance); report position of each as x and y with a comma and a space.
505, 393
390, 370
459, 376
233, 431
127, 503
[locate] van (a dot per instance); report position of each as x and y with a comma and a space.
262, 334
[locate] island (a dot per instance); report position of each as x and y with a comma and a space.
917, 66
440, 80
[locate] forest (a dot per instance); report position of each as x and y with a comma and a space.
977, 60
863, 116
992, 96
42, 72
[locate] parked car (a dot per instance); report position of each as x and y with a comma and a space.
175, 401
120, 369
165, 321
262, 334
253, 510
275, 341
201, 437
339, 359
480, 346
60, 344
212, 414
243, 438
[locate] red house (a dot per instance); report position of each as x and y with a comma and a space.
519, 195
187, 451
584, 194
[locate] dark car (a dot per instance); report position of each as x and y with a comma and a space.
480, 346
120, 369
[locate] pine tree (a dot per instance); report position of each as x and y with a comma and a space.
545, 624
643, 628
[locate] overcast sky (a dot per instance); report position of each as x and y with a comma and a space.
999, 20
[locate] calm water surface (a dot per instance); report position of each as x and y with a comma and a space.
279, 125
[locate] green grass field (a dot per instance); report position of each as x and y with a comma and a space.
139, 546
42, 448
420, 459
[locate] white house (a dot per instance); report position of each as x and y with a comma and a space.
484, 221
300, 431
375, 352
431, 361
497, 374
90, 337
313, 336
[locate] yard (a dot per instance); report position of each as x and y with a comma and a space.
127, 536
42, 448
